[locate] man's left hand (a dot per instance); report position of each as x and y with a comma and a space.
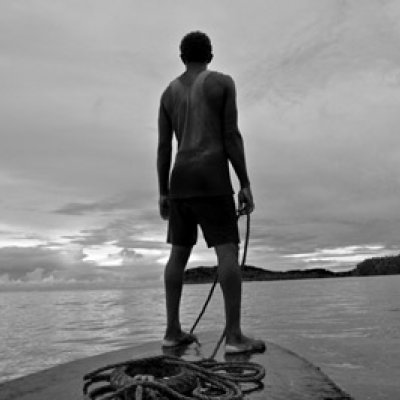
163, 204
246, 202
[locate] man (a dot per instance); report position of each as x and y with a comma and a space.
200, 108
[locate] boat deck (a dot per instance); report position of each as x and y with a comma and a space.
288, 375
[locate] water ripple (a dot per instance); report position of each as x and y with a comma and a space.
341, 324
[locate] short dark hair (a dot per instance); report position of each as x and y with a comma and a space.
196, 47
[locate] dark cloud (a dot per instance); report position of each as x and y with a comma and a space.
83, 208
125, 231
128, 201
17, 262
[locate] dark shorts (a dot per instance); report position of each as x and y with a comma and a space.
216, 216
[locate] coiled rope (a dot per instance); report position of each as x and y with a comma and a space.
167, 377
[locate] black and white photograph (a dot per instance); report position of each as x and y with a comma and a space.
199, 200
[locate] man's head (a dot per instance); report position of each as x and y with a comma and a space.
196, 47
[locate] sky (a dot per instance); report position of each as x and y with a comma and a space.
318, 96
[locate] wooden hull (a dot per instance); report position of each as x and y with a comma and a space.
288, 376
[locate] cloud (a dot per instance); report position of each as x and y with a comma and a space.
331, 41
37, 280
340, 257
22, 260
83, 208
121, 248
103, 265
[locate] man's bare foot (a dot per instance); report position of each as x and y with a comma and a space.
180, 339
244, 344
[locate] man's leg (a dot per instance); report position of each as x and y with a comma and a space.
173, 280
230, 279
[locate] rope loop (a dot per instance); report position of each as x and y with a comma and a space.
167, 377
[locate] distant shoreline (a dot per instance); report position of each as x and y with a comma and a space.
370, 267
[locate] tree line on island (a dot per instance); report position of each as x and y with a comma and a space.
389, 265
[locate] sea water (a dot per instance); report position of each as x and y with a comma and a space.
349, 327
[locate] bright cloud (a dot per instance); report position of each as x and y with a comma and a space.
106, 255
340, 257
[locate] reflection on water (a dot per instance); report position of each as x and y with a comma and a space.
349, 326
43, 328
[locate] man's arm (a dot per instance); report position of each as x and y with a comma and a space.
164, 151
235, 149
232, 138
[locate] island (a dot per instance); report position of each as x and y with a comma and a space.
389, 265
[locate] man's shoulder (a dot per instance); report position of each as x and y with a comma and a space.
172, 86
217, 84
221, 78
166, 94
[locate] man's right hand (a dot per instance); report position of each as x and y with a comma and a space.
163, 204
245, 200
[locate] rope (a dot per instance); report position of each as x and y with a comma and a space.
170, 377
210, 293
